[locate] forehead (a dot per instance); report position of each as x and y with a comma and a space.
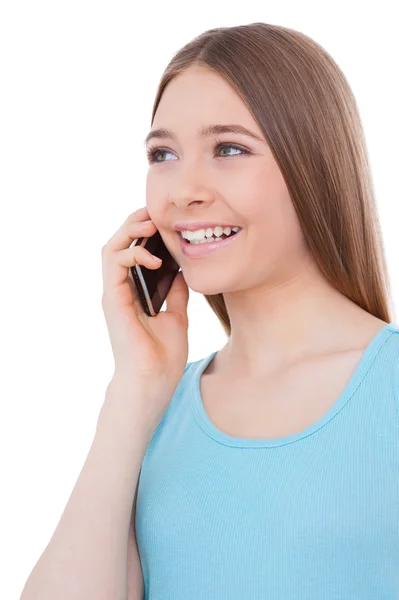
200, 103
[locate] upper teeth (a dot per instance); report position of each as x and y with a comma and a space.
201, 234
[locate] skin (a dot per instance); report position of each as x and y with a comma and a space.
282, 309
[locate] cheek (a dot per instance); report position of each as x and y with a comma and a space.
154, 191
155, 204
150, 194
271, 210
264, 195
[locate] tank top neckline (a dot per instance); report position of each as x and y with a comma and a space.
220, 436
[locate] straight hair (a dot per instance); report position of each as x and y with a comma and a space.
306, 110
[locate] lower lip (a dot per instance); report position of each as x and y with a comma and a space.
200, 250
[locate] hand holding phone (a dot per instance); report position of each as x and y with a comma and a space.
153, 285
150, 353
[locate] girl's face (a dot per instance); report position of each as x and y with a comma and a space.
193, 181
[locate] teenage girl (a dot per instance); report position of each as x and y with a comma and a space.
270, 468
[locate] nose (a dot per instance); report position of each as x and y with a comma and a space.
190, 189
185, 200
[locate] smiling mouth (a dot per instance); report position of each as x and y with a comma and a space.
209, 240
201, 249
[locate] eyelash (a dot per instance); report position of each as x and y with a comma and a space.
153, 150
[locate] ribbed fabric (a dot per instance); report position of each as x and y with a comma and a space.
309, 516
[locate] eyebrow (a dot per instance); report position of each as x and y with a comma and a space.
207, 131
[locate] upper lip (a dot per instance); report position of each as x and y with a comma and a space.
185, 226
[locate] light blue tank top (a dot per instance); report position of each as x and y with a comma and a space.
309, 516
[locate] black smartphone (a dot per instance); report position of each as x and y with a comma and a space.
153, 285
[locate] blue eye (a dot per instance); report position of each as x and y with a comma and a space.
154, 151
221, 146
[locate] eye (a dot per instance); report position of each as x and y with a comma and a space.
152, 154
220, 146
154, 151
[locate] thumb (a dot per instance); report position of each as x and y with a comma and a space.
177, 298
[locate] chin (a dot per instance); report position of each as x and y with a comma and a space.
207, 287
206, 290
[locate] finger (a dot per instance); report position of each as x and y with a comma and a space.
137, 215
125, 235
116, 265
140, 213
178, 296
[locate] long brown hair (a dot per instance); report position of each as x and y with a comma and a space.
304, 105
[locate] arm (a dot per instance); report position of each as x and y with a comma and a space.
88, 555
135, 582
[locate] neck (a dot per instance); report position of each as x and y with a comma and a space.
276, 324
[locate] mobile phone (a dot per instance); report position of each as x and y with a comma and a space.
153, 285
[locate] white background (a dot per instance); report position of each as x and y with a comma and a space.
78, 81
